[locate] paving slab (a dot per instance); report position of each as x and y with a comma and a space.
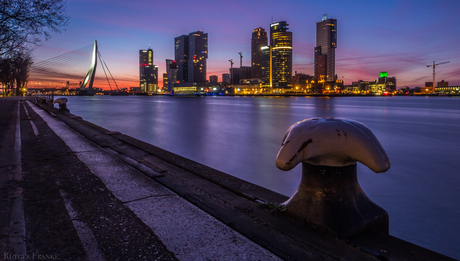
192, 234
141, 202
186, 230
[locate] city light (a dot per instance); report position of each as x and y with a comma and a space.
277, 67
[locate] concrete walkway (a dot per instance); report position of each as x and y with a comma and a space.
71, 190
66, 198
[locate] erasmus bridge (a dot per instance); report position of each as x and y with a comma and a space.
70, 70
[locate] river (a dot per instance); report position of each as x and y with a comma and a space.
242, 135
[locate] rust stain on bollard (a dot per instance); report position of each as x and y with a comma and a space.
329, 194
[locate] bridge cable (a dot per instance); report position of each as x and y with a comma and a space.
58, 69
107, 78
108, 70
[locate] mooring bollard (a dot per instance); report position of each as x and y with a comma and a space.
42, 100
62, 104
329, 195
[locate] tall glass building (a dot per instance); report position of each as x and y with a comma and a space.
171, 74
191, 52
280, 55
265, 65
326, 42
181, 57
148, 73
259, 39
198, 53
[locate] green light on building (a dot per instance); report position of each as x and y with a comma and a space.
383, 74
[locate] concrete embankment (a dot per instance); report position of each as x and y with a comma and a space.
75, 191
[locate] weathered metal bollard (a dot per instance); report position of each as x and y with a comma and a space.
42, 100
329, 195
62, 104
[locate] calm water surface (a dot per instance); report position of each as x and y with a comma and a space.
242, 135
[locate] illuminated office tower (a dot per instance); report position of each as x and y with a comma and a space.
181, 57
326, 42
148, 73
198, 53
259, 39
280, 55
191, 52
165, 82
265, 65
154, 87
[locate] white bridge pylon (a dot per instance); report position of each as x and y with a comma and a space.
89, 78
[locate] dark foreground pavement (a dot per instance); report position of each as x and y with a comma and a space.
60, 195
65, 197
70, 190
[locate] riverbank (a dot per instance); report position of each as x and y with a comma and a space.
147, 196
264, 95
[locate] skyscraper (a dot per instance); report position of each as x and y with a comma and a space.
165, 82
171, 73
148, 74
280, 55
191, 52
154, 87
259, 39
326, 42
198, 53
181, 56
265, 65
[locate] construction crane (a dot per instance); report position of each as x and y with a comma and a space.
434, 66
231, 71
241, 59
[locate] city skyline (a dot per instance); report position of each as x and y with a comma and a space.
396, 36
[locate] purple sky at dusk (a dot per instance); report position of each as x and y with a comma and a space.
401, 37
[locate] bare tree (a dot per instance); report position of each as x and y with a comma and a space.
24, 23
14, 72
21, 66
6, 76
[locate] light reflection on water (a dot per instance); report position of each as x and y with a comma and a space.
242, 135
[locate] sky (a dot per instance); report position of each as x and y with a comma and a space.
400, 37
